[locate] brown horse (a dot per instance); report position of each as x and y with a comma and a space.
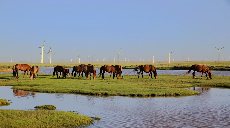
33, 72
21, 67
148, 69
67, 72
118, 69
91, 69
60, 69
77, 69
200, 68
110, 69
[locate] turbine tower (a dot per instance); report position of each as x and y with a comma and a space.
219, 52
42, 54
50, 54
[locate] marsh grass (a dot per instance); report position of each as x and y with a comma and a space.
42, 118
46, 107
4, 102
165, 85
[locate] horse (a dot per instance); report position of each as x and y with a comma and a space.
148, 69
200, 68
33, 72
77, 69
21, 67
67, 72
60, 69
91, 69
110, 69
118, 69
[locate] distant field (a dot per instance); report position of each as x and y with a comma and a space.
163, 65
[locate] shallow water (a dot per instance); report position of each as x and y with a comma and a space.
209, 109
49, 70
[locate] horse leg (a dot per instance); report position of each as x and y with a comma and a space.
113, 75
193, 74
201, 75
151, 75
27, 73
142, 74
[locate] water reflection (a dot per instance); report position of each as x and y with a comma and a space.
21, 93
209, 109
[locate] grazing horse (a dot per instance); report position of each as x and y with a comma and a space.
118, 69
67, 72
77, 69
200, 68
111, 69
21, 67
91, 69
148, 69
60, 69
33, 72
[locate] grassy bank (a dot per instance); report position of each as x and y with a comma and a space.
165, 85
41, 119
174, 65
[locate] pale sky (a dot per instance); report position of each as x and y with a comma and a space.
100, 28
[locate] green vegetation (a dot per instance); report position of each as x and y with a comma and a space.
41, 118
4, 102
162, 65
47, 107
165, 85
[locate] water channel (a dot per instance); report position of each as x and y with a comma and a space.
209, 109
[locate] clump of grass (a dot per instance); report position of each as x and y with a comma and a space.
42, 118
4, 102
47, 107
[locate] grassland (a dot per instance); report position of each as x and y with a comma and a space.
174, 65
165, 85
41, 119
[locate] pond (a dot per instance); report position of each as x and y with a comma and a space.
209, 109
49, 70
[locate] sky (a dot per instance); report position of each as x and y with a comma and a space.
97, 29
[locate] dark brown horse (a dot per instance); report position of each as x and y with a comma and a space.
60, 69
33, 72
117, 69
67, 72
200, 68
77, 69
21, 67
91, 69
148, 69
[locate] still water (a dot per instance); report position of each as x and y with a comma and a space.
209, 109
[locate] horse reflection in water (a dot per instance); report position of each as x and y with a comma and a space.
21, 93
202, 90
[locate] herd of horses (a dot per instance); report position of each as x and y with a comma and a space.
115, 70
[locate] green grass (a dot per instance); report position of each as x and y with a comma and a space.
41, 119
4, 102
165, 85
46, 107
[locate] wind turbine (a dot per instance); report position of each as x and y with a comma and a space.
79, 58
118, 55
219, 52
169, 56
42, 53
50, 54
